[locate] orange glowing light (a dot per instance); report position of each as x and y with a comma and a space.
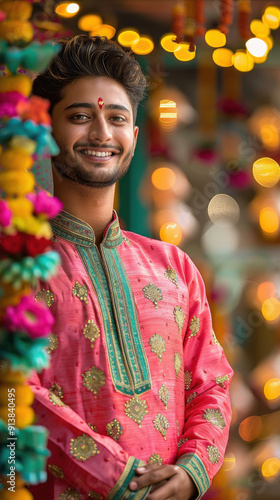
104, 30
167, 42
171, 232
251, 428
242, 61
258, 28
215, 38
67, 9
143, 46
272, 389
266, 172
229, 462
271, 17
269, 134
271, 468
128, 37
163, 178
269, 220
271, 309
182, 53
89, 22
223, 57
266, 290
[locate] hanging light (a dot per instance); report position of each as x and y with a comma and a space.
128, 37
104, 30
183, 52
171, 232
163, 178
271, 17
223, 57
272, 386
143, 46
266, 172
268, 40
89, 22
168, 113
258, 28
242, 61
271, 468
67, 9
257, 47
167, 42
269, 223
215, 38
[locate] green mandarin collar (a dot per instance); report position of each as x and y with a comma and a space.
79, 232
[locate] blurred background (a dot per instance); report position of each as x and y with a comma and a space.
205, 177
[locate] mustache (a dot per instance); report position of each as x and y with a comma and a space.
95, 145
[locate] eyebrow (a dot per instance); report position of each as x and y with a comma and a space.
93, 106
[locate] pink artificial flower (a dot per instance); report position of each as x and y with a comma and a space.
29, 316
44, 204
9, 102
5, 214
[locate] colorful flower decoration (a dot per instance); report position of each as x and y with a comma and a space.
5, 214
41, 134
45, 205
29, 316
29, 270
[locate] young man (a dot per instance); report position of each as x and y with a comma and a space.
136, 395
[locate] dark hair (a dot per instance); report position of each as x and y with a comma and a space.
83, 55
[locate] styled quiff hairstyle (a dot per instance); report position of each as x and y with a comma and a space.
83, 55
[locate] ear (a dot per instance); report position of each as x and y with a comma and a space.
135, 133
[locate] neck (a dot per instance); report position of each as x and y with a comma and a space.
92, 205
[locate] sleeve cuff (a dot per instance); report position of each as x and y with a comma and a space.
121, 491
192, 464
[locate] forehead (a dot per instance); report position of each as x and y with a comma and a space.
91, 88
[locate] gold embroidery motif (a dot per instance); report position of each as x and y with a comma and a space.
188, 380
161, 424
181, 442
52, 343
177, 423
93, 427
171, 275
56, 394
194, 327
56, 471
191, 397
136, 409
81, 292
157, 344
152, 293
96, 496
213, 454
91, 332
164, 395
214, 417
45, 296
83, 447
70, 494
126, 240
179, 317
155, 458
94, 379
215, 340
114, 429
177, 363
221, 380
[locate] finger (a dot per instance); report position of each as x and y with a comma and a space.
165, 492
146, 468
158, 485
153, 476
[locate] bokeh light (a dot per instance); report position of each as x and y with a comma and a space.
171, 233
183, 53
251, 428
163, 178
265, 290
89, 22
271, 309
266, 172
223, 57
242, 61
167, 42
128, 37
215, 38
229, 462
269, 134
271, 17
104, 30
67, 9
143, 46
223, 210
220, 240
258, 28
257, 47
168, 113
272, 389
271, 468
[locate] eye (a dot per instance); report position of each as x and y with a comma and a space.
119, 118
80, 117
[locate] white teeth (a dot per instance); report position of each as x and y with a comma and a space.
97, 153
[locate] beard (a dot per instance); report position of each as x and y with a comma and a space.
72, 169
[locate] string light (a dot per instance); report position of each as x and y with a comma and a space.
242, 61
271, 468
271, 309
143, 46
171, 232
183, 53
89, 22
167, 42
266, 172
163, 178
272, 389
257, 47
67, 9
223, 57
251, 428
215, 38
128, 37
104, 30
258, 28
271, 17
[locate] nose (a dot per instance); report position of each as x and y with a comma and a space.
100, 130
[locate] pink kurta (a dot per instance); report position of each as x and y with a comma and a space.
136, 373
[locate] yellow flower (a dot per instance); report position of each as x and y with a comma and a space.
14, 159
16, 182
21, 207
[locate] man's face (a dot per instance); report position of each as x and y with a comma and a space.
93, 127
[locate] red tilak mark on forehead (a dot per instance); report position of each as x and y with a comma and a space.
100, 102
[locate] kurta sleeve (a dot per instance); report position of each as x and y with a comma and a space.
87, 461
207, 404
